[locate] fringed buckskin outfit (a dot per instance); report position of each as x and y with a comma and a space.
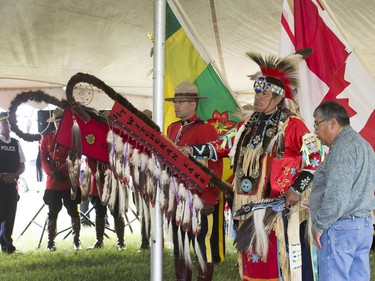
271, 154
268, 161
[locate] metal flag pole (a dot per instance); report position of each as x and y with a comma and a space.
158, 117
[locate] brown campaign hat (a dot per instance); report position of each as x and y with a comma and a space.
56, 115
185, 90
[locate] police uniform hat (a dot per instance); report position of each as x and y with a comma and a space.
3, 116
56, 115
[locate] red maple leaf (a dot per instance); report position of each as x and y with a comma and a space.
221, 122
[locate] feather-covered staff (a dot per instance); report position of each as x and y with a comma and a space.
119, 160
128, 194
86, 183
73, 172
156, 179
180, 216
172, 202
107, 187
164, 191
122, 194
143, 174
126, 159
186, 226
135, 161
73, 162
114, 192
35, 97
196, 228
99, 179
124, 180
146, 213
112, 147
138, 203
153, 174
144, 161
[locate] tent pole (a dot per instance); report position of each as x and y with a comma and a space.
158, 116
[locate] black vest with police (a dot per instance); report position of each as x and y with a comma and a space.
9, 156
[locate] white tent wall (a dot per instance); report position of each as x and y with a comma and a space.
7, 95
100, 101
45, 42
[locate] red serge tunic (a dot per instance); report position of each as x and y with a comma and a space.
53, 156
196, 131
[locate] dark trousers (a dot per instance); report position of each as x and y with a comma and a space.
101, 210
55, 199
8, 207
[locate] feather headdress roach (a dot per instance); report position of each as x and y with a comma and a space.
280, 75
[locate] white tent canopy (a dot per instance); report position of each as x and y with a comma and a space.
45, 42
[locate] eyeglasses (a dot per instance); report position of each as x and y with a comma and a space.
181, 101
316, 125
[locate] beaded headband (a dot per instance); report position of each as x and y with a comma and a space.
280, 75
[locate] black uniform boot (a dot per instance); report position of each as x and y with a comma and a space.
206, 275
51, 235
76, 228
145, 236
182, 270
99, 227
120, 229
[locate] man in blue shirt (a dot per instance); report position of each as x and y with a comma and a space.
342, 197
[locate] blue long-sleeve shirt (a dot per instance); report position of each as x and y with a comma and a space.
344, 183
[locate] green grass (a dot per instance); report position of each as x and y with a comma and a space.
30, 264
101, 264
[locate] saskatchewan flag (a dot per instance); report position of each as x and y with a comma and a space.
185, 60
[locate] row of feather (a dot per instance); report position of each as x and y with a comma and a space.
133, 171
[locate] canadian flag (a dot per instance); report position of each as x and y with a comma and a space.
333, 71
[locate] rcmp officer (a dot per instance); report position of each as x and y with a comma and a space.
10, 170
53, 157
192, 130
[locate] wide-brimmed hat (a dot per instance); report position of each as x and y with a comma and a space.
186, 90
3, 116
148, 113
56, 115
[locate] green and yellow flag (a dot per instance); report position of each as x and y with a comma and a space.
186, 61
